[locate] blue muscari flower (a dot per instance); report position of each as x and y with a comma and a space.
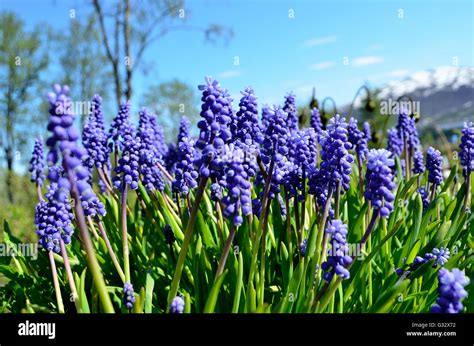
290, 108
267, 113
94, 137
185, 173
183, 130
451, 291
419, 165
335, 158
406, 129
394, 143
275, 147
440, 257
248, 130
128, 167
338, 259
379, 181
120, 126
303, 247
466, 154
63, 140
148, 156
434, 165
169, 235
237, 199
357, 138
214, 128
53, 220
159, 146
177, 305
424, 197
128, 295
367, 131
315, 121
37, 163
170, 157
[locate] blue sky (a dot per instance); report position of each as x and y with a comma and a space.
278, 52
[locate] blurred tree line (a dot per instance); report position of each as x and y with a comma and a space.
102, 51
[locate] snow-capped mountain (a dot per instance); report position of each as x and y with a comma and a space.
445, 94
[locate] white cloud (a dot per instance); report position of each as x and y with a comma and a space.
322, 65
367, 60
230, 74
320, 40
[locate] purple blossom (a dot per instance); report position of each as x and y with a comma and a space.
367, 131
214, 128
424, 197
37, 163
177, 305
303, 246
185, 173
128, 167
169, 235
315, 121
63, 140
434, 165
120, 126
338, 259
237, 200
451, 291
53, 220
357, 138
440, 257
394, 143
290, 108
128, 295
148, 155
467, 147
419, 166
335, 158
407, 131
94, 137
379, 181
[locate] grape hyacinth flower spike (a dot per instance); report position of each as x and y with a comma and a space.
128, 295
451, 291
37, 165
63, 143
434, 165
466, 156
177, 305
338, 259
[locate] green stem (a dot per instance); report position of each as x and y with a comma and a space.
225, 252
92, 262
186, 240
57, 289
126, 259
70, 277
111, 250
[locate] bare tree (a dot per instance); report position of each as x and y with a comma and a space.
132, 26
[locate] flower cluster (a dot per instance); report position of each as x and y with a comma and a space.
434, 165
367, 131
379, 181
127, 169
63, 140
451, 291
53, 221
407, 131
177, 305
128, 295
440, 257
37, 163
419, 166
357, 138
94, 137
120, 126
467, 147
290, 108
148, 158
315, 121
338, 259
214, 128
394, 143
336, 160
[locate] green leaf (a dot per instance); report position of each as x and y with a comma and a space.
212, 299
